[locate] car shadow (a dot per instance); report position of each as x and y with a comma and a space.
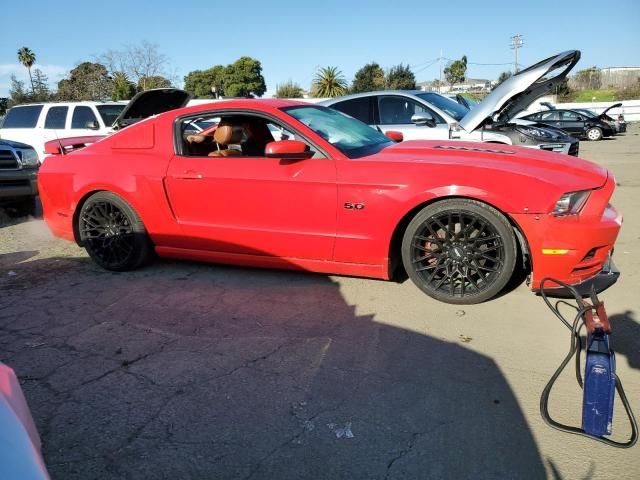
624, 339
189, 370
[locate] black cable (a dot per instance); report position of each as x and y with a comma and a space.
574, 349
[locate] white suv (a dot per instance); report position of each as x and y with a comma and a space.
37, 123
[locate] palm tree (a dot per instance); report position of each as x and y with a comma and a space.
329, 82
27, 58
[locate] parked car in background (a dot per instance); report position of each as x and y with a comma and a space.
462, 100
577, 124
37, 123
336, 197
428, 115
619, 123
18, 177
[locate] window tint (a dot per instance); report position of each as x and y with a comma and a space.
82, 116
109, 113
22, 117
569, 116
56, 117
398, 110
549, 116
358, 108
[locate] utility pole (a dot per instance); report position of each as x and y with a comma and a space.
516, 43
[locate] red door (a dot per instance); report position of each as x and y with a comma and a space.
255, 205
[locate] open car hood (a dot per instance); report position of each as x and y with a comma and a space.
151, 102
520, 90
615, 105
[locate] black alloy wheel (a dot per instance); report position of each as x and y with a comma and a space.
112, 233
459, 251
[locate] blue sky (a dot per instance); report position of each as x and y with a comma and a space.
293, 38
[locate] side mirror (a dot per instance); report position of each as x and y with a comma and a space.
93, 125
288, 149
423, 119
395, 136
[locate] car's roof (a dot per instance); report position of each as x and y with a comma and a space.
248, 103
377, 92
69, 103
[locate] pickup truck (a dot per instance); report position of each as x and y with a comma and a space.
18, 177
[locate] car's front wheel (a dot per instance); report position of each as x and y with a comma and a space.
594, 134
113, 233
459, 251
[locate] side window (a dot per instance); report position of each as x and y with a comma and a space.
396, 110
22, 117
56, 118
569, 116
231, 136
358, 108
535, 116
549, 116
82, 116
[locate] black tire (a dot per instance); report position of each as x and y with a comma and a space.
459, 251
594, 134
113, 233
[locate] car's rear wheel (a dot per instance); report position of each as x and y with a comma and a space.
113, 233
459, 251
594, 134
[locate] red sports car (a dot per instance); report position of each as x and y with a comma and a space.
210, 182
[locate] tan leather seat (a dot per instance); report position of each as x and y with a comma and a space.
225, 135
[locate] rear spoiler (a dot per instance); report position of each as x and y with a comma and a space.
63, 146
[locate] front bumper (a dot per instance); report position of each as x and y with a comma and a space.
599, 283
573, 249
18, 183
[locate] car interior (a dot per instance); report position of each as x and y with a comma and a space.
231, 136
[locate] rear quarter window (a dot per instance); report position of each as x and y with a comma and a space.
22, 117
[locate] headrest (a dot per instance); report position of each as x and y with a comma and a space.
226, 134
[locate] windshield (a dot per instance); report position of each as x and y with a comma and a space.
350, 136
109, 113
452, 108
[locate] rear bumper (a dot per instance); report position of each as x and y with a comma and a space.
598, 283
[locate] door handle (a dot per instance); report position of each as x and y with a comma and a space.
190, 175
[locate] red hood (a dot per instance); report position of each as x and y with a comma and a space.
564, 170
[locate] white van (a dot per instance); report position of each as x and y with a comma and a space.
37, 123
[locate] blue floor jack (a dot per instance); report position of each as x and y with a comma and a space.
600, 379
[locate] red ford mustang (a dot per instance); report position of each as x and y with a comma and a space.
217, 182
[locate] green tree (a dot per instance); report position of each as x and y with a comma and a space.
17, 92
243, 78
154, 81
589, 78
41, 92
400, 77
4, 106
88, 81
329, 82
455, 72
289, 89
27, 58
502, 77
199, 83
368, 79
123, 88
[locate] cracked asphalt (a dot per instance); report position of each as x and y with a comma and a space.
188, 370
